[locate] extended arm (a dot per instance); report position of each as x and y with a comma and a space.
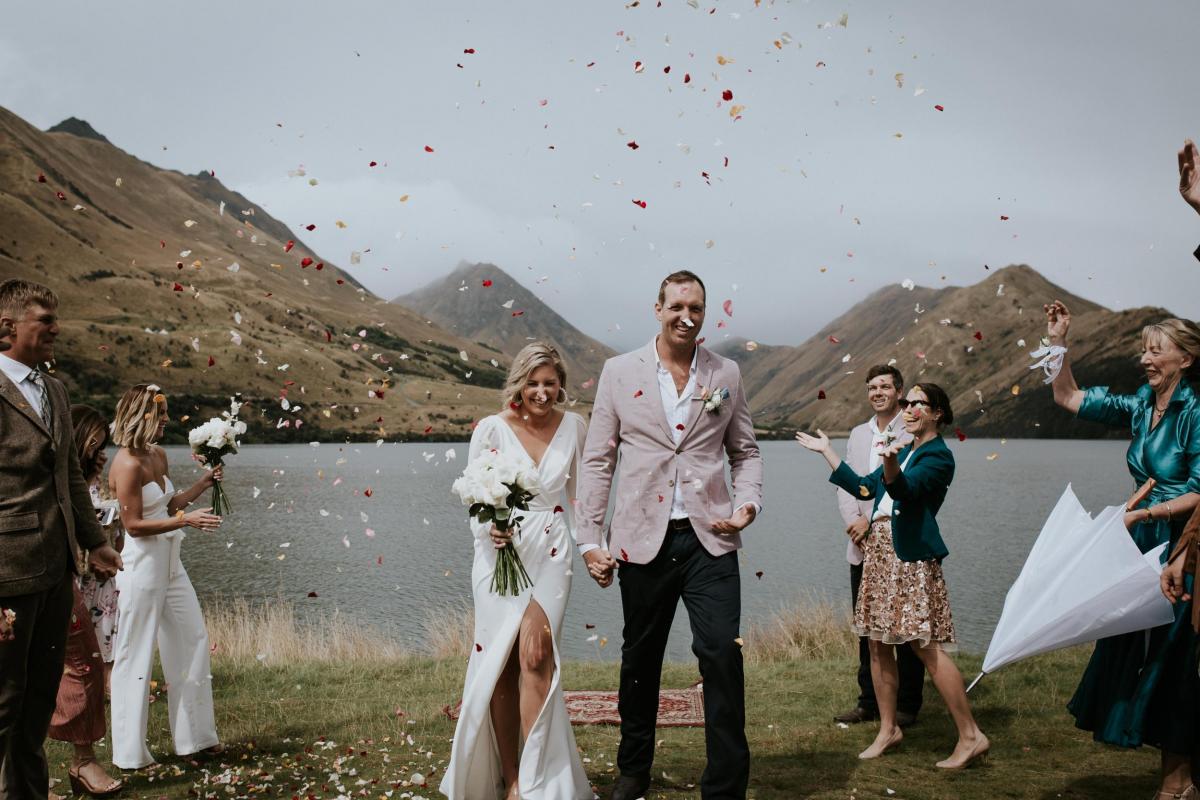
1066, 392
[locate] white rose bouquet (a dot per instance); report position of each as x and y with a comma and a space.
214, 440
494, 487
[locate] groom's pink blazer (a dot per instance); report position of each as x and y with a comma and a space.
628, 437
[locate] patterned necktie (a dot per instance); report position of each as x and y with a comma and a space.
35, 377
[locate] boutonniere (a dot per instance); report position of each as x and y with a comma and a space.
713, 398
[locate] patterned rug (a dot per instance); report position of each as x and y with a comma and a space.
677, 708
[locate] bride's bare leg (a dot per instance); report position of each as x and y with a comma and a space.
506, 719
537, 664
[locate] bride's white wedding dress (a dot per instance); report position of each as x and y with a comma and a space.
550, 766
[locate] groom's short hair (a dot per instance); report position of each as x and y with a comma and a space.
16, 296
680, 276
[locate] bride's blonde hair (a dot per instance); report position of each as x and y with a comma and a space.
532, 356
138, 413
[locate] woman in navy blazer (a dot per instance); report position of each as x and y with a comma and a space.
903, 598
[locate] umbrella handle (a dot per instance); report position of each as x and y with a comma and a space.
978, 678
1141, 494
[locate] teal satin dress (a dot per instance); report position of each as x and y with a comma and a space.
1142, 688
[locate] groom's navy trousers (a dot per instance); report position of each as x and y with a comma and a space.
710, 587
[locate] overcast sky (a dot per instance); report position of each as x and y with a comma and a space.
842, 174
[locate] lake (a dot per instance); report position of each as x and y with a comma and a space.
375, 532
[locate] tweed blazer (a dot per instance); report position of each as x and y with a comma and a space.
45, 508
628, 438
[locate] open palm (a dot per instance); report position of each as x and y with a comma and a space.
817, 444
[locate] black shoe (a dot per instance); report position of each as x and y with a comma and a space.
630, 788
904, 719
857, 715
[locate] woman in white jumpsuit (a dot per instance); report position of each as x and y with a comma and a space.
157, 601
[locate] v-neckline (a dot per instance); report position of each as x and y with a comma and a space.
537, 465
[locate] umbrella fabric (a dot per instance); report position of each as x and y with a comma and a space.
1084, 579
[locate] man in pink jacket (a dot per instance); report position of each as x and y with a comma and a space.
666, 418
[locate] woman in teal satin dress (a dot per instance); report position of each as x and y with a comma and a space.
1143, 688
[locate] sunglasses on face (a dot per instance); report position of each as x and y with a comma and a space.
906, 403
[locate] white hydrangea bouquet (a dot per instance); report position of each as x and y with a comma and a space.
214, 440
495, 486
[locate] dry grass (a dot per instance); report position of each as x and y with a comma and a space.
809, 628
450, 631
271, 633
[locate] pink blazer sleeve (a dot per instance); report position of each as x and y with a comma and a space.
598, 464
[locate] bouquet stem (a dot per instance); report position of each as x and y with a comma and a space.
510, 577
220, 501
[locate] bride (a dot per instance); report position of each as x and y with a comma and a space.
513, 689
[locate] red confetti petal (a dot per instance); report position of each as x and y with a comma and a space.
638, 394
962, 437
515, 406
161, 243
320, 265
624, 555
518, 313
558, 509
939, 108
428, 149
368, 491
667, 70
328, 336
637, 65
835, 340
632, 145
979, 335
287, 248
310, 227
487, 282
469, 51
306, 261
372, 164
820, 394
212, 362
687, 77
588, 626
60, 195
641, 203
727, 95
312, 594
379, 560
478, 647
553, 552
1003, 218
41, 178
340, 281
428, 428
661, 498
759, 574
178, 287
679, 426
727, 306
727, 161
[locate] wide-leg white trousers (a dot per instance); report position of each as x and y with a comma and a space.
157, 603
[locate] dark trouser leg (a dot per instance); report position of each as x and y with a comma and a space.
912, 680
712, 594
649, 595
866, 689
31, 667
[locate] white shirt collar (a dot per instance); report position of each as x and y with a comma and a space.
890, 426
15, 370
658, 358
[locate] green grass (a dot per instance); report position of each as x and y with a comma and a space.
362, 728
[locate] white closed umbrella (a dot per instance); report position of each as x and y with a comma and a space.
1084, 579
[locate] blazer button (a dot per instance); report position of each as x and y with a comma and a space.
671, 483
678, 450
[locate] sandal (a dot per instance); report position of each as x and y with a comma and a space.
80, 785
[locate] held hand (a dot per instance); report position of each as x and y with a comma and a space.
1171, 582
202, 520
892, 450
500, 539
105, 562
817, 444
1134, 517
600, 564
857, 530
1189, 174
7, 634
738, 522
1058, 321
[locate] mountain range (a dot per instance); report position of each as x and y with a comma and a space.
178, 280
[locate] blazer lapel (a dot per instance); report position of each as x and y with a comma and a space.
12, 394
651, 392
704, 374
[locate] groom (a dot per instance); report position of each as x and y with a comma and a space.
673, 411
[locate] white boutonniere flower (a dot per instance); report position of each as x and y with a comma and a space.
713, 399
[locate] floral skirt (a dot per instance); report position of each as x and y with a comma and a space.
901, 601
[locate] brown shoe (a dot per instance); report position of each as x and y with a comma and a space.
856, 715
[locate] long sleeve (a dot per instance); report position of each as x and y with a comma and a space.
598, 465
848, 506
88, 532
927, 474
570, 510
865, 486
745, 459
1100, 405
482, 438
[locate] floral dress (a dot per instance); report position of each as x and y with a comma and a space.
100, 597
